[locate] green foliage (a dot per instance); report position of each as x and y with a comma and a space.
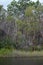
5, 43
18, 8
19, 39
20, 24
28, 11
1, 7
5, 52
23, 30
39, 8
9, 18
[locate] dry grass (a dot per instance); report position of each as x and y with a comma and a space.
19, 53
27, 54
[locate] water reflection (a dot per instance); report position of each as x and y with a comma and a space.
21, 61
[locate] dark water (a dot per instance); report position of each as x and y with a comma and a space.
21, 61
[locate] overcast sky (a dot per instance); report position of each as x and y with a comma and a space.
6, 2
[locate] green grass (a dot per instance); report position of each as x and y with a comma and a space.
5, 52
18, 53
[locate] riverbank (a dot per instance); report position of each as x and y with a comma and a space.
19, 53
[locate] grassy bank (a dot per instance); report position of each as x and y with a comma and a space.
18, 53
5, 52
27, 53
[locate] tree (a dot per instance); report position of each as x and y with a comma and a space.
18, 8
33, 16
2, 13
13, 8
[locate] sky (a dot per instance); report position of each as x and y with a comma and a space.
6, 2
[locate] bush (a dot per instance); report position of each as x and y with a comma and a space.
6, 42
